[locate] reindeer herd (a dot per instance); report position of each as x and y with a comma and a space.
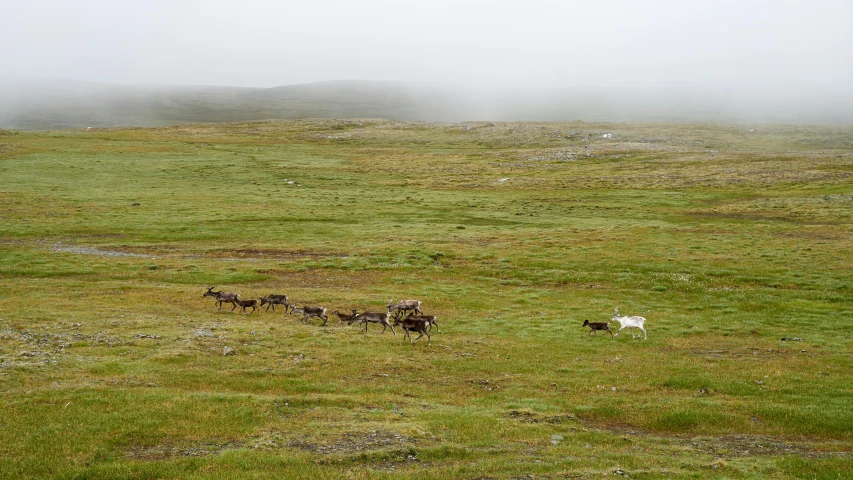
407, 314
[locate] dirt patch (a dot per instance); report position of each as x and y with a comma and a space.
271, 253
31, 348
531, 417
728, 446
739, 352
353, 442
247, 254
170, 450
95, 251
754, 445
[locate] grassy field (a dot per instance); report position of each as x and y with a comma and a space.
735, 242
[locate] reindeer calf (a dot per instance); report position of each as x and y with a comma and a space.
308, 312
244, 304
345, 317
596, 326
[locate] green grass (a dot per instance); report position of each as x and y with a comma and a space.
111, 361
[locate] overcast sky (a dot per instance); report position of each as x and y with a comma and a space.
719, 44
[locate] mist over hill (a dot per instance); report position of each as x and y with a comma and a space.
31, 105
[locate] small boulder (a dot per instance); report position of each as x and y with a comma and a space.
228, 351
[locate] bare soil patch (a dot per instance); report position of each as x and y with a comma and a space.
353, 442
171, 450
728, 446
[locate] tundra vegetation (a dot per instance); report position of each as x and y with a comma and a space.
735, 242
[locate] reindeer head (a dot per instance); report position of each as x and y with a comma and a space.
585, 323
210, 292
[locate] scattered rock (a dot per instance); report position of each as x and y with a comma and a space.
556, 439
790, 339
228, 351
531, 417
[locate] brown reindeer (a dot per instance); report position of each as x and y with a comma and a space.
244, 304
596, 326
273, 300
430, 319
308, 312
345, 317
373, 317
222, 297
414, 324
400, 308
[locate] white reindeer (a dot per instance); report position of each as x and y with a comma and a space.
630, 323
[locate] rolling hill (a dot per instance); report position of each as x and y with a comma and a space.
66, 104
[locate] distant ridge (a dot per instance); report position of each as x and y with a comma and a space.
67, 104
